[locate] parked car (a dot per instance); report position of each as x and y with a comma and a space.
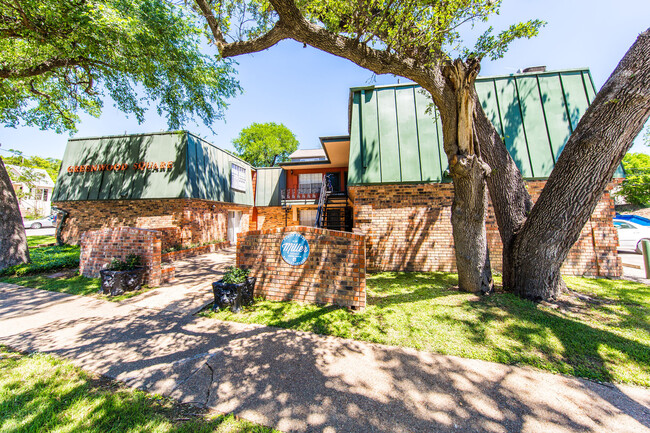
39, 223
630, 234
643, 221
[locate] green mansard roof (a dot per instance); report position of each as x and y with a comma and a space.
186, 166
393, 139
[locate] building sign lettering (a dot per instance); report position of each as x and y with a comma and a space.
237, 177
294, 249
142, 166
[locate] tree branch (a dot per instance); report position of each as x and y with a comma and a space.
293, 25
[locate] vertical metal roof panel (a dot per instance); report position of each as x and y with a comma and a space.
370, 149
430, 140
514, 134
407, 129
390, 147
355, 162
537, 140
574, 95
270, 181
557, 120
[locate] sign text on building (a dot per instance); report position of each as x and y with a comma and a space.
142, 166
294, 249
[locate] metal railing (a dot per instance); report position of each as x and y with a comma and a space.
303, 192
325, 189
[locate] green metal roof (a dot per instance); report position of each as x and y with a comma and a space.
393, 139
270, 181
198, 169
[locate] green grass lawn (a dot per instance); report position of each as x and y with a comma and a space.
33, 241
46, 259
40, 393
603, 334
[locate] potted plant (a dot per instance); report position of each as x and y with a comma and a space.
234, 289
122, 276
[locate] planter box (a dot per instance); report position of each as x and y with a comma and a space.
115, 283
233, 295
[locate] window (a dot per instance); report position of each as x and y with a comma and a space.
237, 177
307, 217
45, 191
309, 183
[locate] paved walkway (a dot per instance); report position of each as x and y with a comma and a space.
296, 381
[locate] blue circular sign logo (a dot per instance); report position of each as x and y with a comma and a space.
294, 249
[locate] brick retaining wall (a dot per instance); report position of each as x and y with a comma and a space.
334, 273
192, 252
184, 221
408, 228
100, 247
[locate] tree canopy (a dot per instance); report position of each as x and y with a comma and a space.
635, 188
60, 57
50, 165
264, 144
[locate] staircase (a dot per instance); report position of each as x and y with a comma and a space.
334, 212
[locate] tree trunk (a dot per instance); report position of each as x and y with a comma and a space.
510, 199
583, 170
468, 172
13, 242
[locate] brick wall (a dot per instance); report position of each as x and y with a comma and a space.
100, 247
197, 221
408, 227
334, 273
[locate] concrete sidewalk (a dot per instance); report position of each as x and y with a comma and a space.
296, 381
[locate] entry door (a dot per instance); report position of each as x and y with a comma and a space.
335, 180
234, 225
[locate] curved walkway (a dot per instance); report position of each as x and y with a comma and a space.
297, 381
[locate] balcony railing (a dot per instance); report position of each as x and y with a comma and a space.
311, 191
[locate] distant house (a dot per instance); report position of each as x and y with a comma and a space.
34, 189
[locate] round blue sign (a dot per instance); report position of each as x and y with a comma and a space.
294, 249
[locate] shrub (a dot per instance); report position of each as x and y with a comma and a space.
132, 261
234, 275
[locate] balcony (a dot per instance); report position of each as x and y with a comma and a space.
303, 193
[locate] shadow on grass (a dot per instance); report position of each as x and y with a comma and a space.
39, 393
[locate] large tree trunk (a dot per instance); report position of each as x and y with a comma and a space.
468, 172
13, 242
583, 170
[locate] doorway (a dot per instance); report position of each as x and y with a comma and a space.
234, 225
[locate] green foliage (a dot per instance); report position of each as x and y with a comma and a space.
51, 165
42, 393
46, 259
635, 188
234, 275
427, 31
132, 261
262, 144
60, 57
71, 284
602, 335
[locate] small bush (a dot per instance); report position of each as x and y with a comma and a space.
46, 259
234, 275
132, 261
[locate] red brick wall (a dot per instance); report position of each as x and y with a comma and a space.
99, 248
334, 273
409, 228
198, 221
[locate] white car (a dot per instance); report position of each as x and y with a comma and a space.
631, 234
39, 223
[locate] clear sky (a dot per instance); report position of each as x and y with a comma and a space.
308, 90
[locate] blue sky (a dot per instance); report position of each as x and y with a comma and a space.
307, 90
